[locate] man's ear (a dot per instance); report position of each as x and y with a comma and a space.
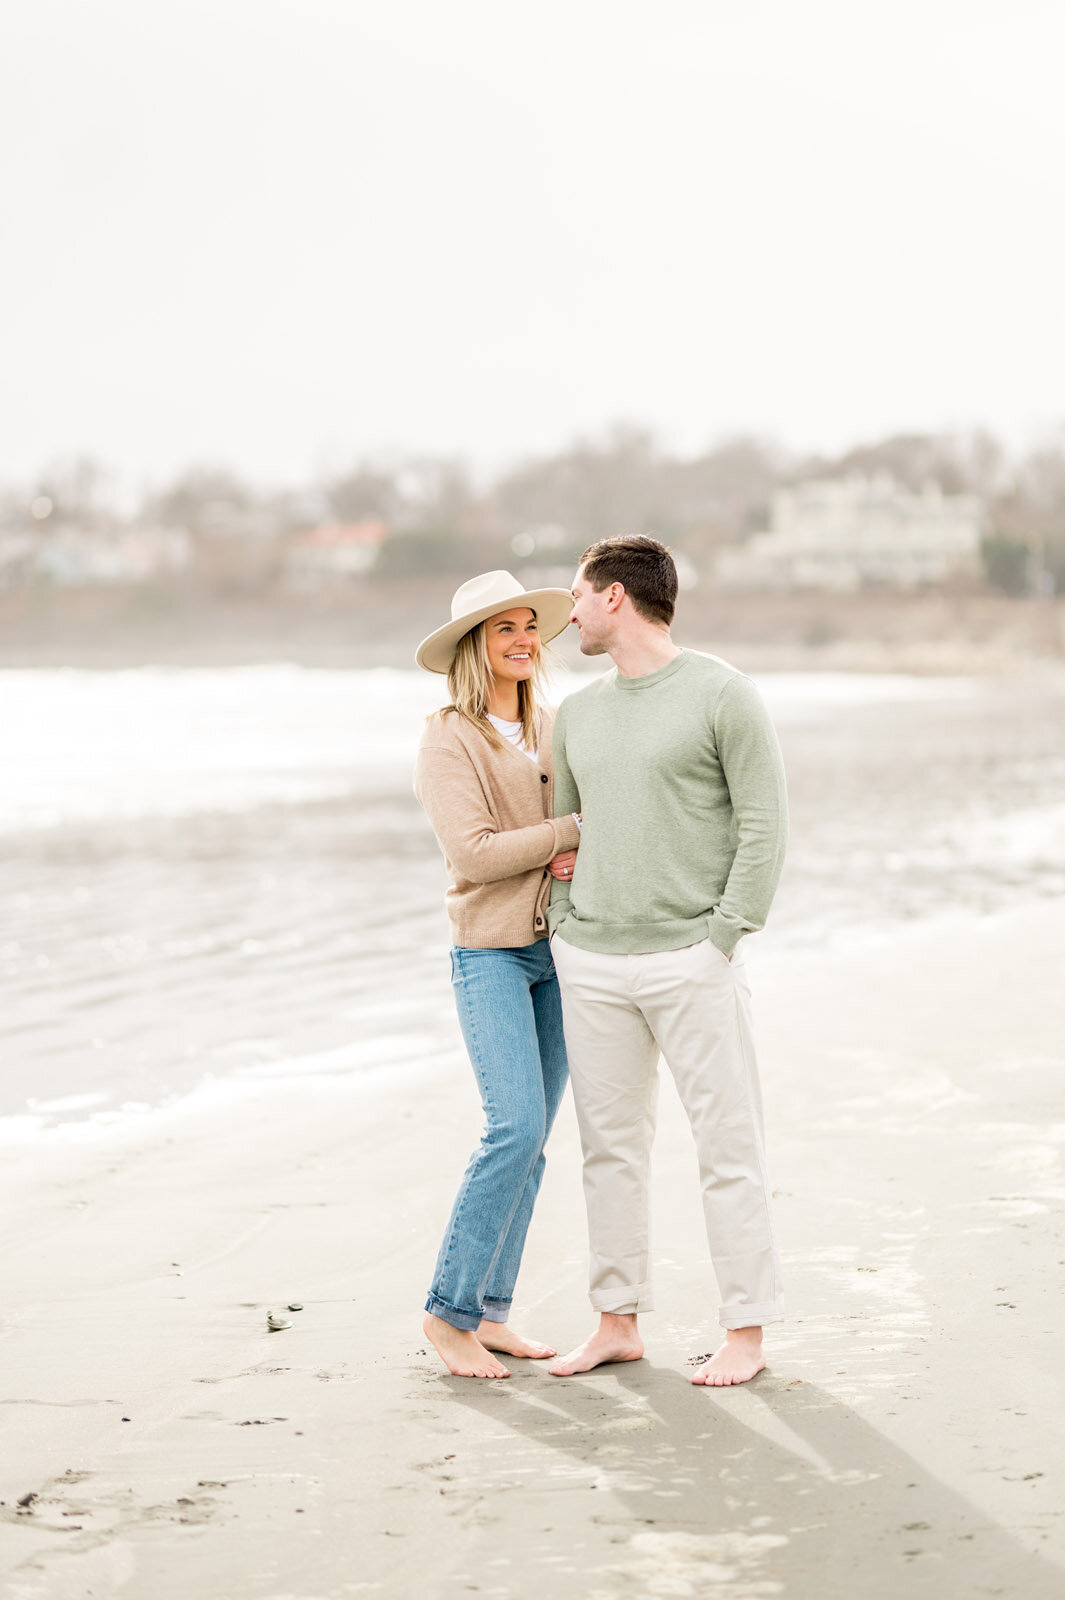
615, 597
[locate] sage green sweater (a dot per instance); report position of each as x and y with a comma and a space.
680, 784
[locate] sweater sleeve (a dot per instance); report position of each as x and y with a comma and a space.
750, 758
450, 793
567, 800
567, 795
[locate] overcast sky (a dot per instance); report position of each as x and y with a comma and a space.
283, 233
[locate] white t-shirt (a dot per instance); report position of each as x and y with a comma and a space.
511, 732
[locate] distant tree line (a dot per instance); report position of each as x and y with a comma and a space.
442, 518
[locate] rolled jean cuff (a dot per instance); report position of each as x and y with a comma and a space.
496, 1310
623, 1302
751, 1316
468, 1321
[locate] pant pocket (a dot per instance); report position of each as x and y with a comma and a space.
714, 953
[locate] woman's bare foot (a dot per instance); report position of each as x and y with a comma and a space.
462, 1352
497, 1336
615, 1339
738, 1360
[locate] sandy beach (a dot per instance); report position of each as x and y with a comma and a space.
160, 1201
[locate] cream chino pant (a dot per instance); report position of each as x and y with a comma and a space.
693, 1005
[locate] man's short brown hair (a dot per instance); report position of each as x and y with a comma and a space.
643, 565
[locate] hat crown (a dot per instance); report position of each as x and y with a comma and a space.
485, 590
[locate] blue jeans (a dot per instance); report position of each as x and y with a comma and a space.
511, 1019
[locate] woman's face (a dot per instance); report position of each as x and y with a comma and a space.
513, 644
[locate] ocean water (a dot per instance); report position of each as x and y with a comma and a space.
212, 876
85, 747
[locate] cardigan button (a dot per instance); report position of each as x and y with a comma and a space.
543, 777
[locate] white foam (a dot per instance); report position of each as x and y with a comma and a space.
362, 1067
68, 1102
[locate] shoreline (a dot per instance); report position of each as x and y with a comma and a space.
911, 1094
378, 623
382, 1061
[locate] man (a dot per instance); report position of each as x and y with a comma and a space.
673, 764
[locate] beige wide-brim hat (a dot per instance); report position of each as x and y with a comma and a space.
485, 596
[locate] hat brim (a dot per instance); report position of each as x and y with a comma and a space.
553, 608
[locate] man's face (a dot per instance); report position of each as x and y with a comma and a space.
591, 616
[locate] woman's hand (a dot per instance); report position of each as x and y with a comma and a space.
561, 866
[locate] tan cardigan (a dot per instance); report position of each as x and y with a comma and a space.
491, 812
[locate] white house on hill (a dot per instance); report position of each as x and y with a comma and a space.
840, 533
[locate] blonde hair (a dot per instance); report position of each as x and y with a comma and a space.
469, 681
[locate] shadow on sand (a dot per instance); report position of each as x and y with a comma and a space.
661, 1489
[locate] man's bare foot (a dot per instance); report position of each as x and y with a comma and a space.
737, 1361
497, 1336
615, 1339
462, 1353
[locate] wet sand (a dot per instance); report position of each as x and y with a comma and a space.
906, 1439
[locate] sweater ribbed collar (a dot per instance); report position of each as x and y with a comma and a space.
630, 685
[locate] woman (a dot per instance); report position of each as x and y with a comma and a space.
484, 777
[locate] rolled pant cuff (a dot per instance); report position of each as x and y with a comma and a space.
623, 1302
468, 1321
496, 1310
751, 1316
